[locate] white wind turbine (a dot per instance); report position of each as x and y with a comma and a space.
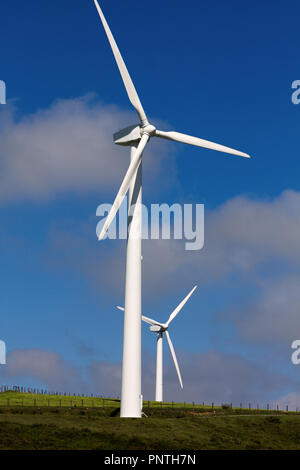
137, 137
160, 329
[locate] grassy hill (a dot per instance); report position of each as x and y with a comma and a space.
94, 426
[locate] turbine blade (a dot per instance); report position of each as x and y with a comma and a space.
145, 319
150, 321
131, 91
179, 307
187, 139
134, 164
174, 358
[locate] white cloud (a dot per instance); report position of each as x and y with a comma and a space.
68, 147
274, 314
209, 377
216, 377
105, 378
243, 237
292, 400
253, 231
44, 365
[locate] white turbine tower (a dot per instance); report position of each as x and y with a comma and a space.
160, 329
137, 137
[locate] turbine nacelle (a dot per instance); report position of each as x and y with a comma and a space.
158, 329
129, 136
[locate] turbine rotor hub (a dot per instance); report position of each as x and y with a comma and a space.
149, 130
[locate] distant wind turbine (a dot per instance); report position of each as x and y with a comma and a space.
137, 137
160, 329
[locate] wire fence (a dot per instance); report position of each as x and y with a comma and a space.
27, 396
11, 396
37, 391
211, 407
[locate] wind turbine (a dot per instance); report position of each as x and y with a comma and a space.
136, 137
160, 329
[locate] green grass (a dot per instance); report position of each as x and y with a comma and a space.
71, 428
168, 428
31, 399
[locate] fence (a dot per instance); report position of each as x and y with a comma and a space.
26, 396
21, 389
213, 407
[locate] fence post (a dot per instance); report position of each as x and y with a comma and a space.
287, 407
193, 406
82, 403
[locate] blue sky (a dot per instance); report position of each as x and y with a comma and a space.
221, 71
